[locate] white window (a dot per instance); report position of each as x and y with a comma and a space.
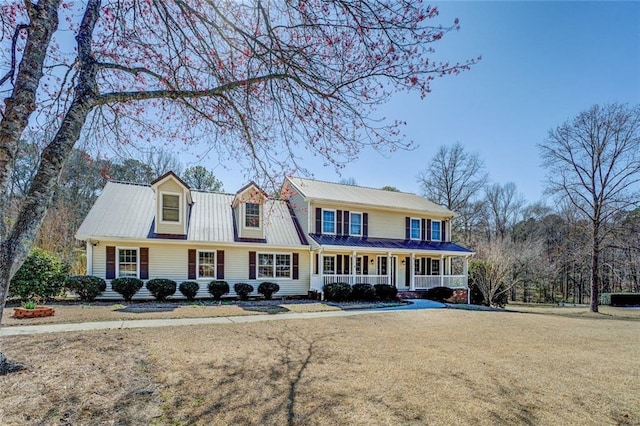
206, 264
382, 265
170, 208
355, 224
416, 229
328, 221
328, 265
128, 262
272, 265
435, 230
417, 266
252, 215
358, 265
435, 266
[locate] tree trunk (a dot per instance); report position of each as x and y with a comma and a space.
595, 263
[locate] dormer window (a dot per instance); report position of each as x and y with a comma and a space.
170, 208
252, 215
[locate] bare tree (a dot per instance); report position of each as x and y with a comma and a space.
594, 162
502, 208
200, 178
161, 161
258, 82
351, 181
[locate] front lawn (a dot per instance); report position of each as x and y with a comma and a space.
440, 366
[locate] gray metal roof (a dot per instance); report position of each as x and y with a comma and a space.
127, 211
352, 194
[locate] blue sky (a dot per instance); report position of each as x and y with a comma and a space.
542, 63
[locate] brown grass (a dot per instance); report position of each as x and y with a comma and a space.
418, 367
580, 311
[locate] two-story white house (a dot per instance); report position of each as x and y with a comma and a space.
315, 233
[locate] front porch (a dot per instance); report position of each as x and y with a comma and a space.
419, 282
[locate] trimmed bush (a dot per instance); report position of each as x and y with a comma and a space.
127, 287
439, 294
86, 287
41, 276
218, 289
337, 292
386, 292
363, 291
243, 290
189, 289
267, 289
161, 288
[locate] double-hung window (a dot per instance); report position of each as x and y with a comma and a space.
206, 264
128, 262
417, 266
435, 230
170, 208
355, 224
252, 215
435, 266
272, 265
382, 265
328, 265
416, 229
328, 221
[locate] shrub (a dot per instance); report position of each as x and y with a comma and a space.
189, 289
243, 290
337, 292
218, 289
267, 289
161, 288
439, 294
86, 287
363, 292
127, 287
385, 291
41, 276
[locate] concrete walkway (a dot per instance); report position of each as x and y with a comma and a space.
147, 323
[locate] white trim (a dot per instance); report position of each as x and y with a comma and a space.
89, 248
321, 269
215, 264
244, 217
419, 237
361, 224
274, 254
180, 208
137, 249
335, 221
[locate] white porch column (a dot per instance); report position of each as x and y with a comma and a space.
354, 256
441, 271
449, 259
89, 246
412, 272
389, 268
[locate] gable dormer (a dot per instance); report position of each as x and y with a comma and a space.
173, 200
248, 208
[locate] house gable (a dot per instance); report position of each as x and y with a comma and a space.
249, 213
173, 205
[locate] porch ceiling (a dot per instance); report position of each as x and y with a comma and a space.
388, 243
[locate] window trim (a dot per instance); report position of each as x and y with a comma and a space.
137, 250
244, 221
332, 256
215, 266
273, 276
335, 221
380, 263
180, 208
351, 222
439, 222
435, 271
419, 237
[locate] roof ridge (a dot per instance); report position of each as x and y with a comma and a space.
356, 186
124, 182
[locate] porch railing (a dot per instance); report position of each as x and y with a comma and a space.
421, 282
424, 282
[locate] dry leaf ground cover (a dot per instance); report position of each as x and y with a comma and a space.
416, 367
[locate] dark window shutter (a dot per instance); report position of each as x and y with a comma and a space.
220, 264
423, 266
365, 265
338, 264
347, 231
296, 274
317, 263
192, 264
318, 220
144, 263
428, 229
407, 271
365, 225
338, 225
252, 265
346, 265
443, 231
428, 266
407, 228
111, 262
423, 237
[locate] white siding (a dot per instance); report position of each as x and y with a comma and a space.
301, 209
